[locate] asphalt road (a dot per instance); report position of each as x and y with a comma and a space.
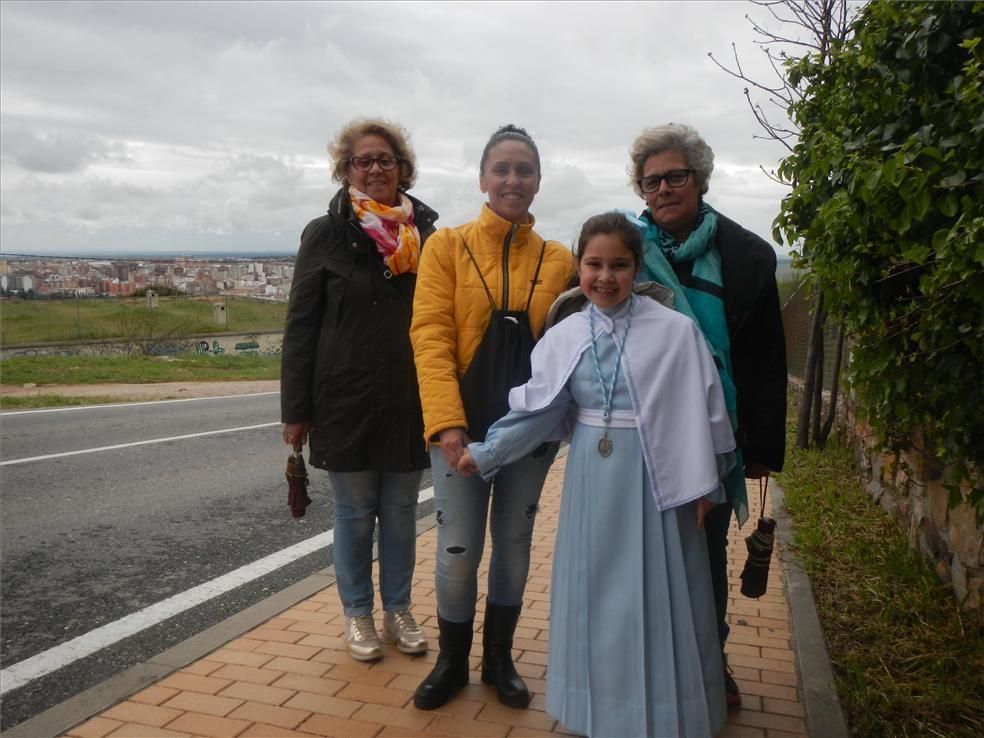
89, 538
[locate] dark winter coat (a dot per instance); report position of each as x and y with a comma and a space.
758, 345
347, 365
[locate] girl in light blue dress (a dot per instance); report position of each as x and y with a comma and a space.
633, 647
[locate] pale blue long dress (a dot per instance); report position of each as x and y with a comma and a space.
634, 650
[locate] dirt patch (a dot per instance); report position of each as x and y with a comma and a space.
134, 392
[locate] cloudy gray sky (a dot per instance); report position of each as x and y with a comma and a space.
194, 126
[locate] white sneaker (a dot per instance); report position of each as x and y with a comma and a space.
362, 639
400, 628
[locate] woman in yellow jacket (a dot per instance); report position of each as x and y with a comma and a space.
483, 292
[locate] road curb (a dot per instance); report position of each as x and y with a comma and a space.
60, 718
824, 716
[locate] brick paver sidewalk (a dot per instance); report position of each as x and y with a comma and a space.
292, 676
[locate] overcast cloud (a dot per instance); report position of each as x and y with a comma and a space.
194, 126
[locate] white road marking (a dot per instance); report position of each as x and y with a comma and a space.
27, 459
132, 404
71, 651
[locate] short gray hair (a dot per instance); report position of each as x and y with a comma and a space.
672, 137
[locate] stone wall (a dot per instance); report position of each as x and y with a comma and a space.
910, 489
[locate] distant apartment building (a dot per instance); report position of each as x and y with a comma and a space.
22, 282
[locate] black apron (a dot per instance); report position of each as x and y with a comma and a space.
501, 361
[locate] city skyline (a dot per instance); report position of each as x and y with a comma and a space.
45, 276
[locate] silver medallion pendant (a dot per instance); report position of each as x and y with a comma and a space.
605, 446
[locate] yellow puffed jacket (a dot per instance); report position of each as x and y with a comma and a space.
451, 308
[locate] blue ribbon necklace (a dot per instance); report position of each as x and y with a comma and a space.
605, 444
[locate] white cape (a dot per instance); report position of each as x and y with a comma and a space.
673, 384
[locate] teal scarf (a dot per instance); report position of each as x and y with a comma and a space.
705, 308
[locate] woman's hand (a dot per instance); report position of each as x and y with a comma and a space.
453, 442
703, 507
296, 434
466, 464
755, 470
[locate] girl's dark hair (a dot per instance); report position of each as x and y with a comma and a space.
615, 224
509, 132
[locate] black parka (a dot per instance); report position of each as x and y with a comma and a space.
347, 364
758, 344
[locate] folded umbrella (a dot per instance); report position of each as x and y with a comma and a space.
755, 575
297, 482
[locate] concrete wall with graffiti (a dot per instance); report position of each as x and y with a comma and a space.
267, 344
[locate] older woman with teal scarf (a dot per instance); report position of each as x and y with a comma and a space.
723, 278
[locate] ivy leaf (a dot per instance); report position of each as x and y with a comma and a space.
889, 169
902, 221
921, 202
940, 239
872, 180
948, 205
956, 179
917, 253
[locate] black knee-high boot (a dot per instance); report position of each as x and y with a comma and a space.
450, 674
497, 664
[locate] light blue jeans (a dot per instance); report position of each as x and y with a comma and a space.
462, 508
360, 498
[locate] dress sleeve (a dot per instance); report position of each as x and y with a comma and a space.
518, 433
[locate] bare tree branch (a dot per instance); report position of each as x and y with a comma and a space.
806, 28
817, 24
772, 175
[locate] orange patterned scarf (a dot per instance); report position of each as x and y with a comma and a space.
392, 228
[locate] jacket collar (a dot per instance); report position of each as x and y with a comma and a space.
341, 207
748, 265
499, 227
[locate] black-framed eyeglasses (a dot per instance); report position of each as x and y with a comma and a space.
674, 178
386, 162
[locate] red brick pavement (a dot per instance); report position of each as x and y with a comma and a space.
292, 675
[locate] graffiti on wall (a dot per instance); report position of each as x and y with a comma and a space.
248, 346
36, 352
264, 344
203, 348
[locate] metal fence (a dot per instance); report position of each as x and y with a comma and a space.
797, 314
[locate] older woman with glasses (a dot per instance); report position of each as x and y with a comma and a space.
348, 382
723, 277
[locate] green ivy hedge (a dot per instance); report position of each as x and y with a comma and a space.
887, 213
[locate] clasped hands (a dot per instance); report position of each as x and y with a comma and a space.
454, 447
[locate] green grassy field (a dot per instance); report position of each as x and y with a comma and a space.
36, 401
40, 321
43, 370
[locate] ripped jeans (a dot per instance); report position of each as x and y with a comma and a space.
462, 507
